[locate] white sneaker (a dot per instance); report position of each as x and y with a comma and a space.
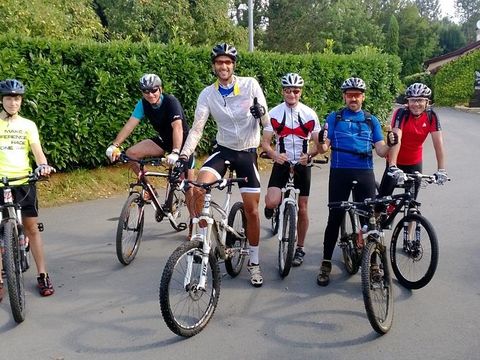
256, 278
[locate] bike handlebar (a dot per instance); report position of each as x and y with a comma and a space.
325, 160
154, 161
32, 177
220, 183
367, 202
430, 179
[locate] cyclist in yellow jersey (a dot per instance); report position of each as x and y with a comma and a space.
19, 136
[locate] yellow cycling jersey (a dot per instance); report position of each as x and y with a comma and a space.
16, 135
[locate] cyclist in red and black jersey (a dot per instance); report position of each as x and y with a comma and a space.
413, 124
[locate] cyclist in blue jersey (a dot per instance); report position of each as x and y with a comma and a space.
237, 105
166, 116
351, 133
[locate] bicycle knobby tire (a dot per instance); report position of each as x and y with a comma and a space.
185, 309
237, 220
14, 274
286, 245
414, 262
348, 236
377, 287
130, 228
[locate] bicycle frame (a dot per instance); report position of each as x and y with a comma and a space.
209, 225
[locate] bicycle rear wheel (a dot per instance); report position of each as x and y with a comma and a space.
130, 228
13, 270
377, 287
237, 246
180, 215
186, 309
275, 221
348, 242
414, 251
286, 245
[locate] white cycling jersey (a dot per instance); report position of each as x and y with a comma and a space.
237, 129
294, 125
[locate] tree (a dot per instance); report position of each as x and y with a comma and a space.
391, 38
469, 13
181, 21
429, 9
450, 37
50, 18
417, 39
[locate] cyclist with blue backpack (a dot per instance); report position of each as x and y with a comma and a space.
413, 123
351, 133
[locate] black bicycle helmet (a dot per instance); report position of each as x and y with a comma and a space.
354, 83
224, 49
11, 87
150, 81
292, 80
418, 90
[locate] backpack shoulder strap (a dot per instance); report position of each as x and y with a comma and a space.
368, 119
401, 115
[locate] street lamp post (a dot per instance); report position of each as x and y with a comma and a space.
250, 25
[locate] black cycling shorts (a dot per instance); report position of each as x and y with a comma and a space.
27, 196
243, 162
302, 177
159, 141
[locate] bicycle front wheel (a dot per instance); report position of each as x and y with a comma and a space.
348, 242
286, 246
185, 308
414, 251
130, 228
236, 246
13, 269
178, 208
377, 287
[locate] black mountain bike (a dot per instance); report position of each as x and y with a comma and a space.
14, 251
141, 193
371, 254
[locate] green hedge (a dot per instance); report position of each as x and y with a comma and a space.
81, 93
454, 82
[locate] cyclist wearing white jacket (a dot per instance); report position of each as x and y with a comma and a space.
293, 124
235, 103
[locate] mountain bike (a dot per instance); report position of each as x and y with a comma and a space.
141, 193
285, 217
414, 245
15, 257
190, 284
377, 285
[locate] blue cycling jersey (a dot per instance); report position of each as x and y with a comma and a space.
351, 139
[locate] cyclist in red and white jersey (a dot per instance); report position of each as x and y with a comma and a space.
230, 100
293, 124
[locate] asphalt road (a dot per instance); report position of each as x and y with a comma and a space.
104, 310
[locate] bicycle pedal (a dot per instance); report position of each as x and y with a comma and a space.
182, 226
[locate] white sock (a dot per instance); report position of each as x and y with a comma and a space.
254, 255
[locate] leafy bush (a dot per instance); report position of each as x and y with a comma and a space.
454, 82
81, 93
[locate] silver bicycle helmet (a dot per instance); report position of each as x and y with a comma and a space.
11, 87
354, 83
150, 81
224, 49
292, 80
418, 90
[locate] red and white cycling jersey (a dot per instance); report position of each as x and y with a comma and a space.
294, 125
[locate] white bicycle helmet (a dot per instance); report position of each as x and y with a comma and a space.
150, 81
354, 83
11, 87
224, 49
418, 90
292, 80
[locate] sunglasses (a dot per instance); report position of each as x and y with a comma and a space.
148, 91
353, 95
417, 100
223, 62
292, 91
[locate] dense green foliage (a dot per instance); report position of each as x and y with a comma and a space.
454, 83
81, 93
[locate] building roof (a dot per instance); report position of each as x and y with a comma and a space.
434, 64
